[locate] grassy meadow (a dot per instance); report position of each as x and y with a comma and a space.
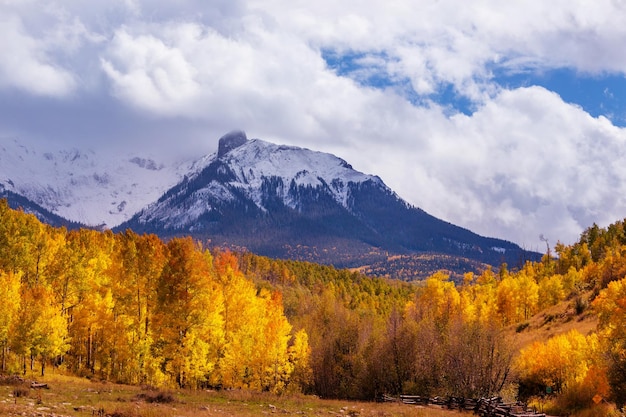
73, 396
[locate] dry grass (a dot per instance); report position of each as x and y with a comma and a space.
556, 320
71, 396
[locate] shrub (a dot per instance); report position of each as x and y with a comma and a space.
159, 397
20, 392
580, 305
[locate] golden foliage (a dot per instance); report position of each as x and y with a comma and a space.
133, 309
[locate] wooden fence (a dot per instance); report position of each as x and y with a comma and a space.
484, 407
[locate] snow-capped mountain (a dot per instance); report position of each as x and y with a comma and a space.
274, 200
81, 186
282, 201
258, 172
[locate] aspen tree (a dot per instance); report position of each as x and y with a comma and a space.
41, 330
188, 314
9, 308
610, 305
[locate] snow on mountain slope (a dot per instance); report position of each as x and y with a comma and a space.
92, 189
269, 198
256, 160
259, 171
82, 186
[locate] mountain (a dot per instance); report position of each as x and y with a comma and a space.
290, 202
17, 201
273, 200
82, 186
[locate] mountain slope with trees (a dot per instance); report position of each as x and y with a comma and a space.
289, 202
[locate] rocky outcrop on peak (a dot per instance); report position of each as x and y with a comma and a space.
230, 141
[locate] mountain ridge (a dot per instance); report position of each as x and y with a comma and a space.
274, 200
271, 198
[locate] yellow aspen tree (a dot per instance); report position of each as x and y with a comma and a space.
9, 308
243, 321
17, 241
139, 262
484, 299
85, 296
128, 344
102, 332
41, 331
299, 356
560, 362
189, 313
613, 265
438, 300
551, 291
24, 244
527, 296
610, 306
506, 295
276, 366
468, 305
87, 320
572, 281
151, 260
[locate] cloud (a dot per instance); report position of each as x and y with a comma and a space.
524, 163
26, 64
460, 43
172, 75
150, 74
190, 71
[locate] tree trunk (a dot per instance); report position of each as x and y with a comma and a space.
89, 346
43, 365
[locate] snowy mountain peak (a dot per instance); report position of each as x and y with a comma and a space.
272, 199
256, 162
261, 176
85, 187
279, 200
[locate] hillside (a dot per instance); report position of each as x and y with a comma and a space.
572, 314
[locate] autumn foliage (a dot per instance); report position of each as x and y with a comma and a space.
135, 309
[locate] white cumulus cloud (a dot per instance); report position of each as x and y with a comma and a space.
26, 64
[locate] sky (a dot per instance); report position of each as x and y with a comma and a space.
504, 117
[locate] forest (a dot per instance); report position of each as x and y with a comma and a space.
135, 309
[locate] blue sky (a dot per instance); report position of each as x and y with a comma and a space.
358, 67
507, 118
598, 94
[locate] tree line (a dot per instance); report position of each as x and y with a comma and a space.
135, 309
